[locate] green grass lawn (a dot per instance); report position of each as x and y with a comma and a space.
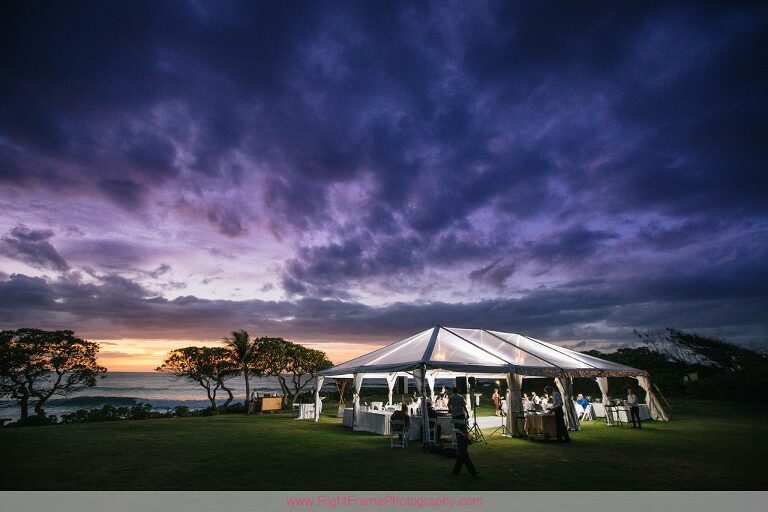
708, 445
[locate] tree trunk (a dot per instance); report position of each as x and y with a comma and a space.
247, 389
229, 392
286, 392
298, 386
24, 405
211, 398
39, 407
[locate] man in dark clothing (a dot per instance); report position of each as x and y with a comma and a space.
557, 406
457, 405
462, 441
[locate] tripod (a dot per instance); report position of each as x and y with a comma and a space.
504, 430
474, 432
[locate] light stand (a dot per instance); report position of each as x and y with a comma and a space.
504, 430
474, 433
503, 427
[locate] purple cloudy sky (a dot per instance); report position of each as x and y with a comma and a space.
354, 172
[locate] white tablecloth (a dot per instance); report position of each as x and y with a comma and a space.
597, 410
376, 422
624, 415
304, 411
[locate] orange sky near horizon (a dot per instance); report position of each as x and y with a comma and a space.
144, 355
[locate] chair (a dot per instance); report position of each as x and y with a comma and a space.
433, 430
398, 436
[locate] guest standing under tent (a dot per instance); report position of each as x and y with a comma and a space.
497, 401
634, 409
557, 406
457, 406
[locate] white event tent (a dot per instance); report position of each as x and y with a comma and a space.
447, 352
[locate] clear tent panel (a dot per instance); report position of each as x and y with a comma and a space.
451, 348
368, 359
411, 350
555, 356
504, 349
588, 360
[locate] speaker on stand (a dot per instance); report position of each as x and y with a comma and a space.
475, 434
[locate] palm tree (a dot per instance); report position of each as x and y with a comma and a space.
242, 351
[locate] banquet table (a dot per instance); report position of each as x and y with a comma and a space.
377, 422
540, 424
624, 414
597, 410
368, 420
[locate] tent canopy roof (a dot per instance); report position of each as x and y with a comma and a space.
480, 351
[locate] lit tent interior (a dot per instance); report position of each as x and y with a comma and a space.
447, 352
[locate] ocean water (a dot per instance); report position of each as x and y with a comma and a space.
165, 392
161, 390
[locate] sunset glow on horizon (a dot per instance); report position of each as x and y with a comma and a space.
132, 355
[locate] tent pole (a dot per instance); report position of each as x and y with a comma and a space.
424, 412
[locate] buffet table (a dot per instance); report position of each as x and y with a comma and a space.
540, 425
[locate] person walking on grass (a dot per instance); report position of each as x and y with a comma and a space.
634, 409
462, 459
557, 407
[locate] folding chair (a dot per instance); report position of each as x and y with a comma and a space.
398, 436
433, 430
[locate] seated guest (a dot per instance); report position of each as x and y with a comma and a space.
536, 399
415, 396
582, 401
402, 414
528, 405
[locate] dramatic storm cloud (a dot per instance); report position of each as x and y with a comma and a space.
352, 172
